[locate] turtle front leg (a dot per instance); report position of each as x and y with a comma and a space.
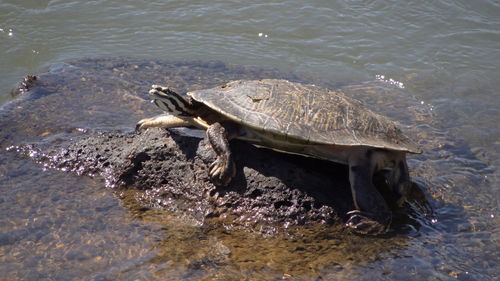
162, 121
223, 169
372, 215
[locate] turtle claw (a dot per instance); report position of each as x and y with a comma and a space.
222, 171
142, 124
363, 223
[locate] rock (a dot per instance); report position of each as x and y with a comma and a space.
24, 86
169, 171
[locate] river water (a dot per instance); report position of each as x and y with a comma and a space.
443, 54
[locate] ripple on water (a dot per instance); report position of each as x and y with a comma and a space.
444, 52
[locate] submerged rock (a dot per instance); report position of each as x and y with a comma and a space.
80, 116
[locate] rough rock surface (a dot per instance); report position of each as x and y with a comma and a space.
169, 170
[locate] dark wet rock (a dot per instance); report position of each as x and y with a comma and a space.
169, 171
24, 86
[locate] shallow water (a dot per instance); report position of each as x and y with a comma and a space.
441, 59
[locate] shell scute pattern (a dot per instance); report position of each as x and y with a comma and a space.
304, 112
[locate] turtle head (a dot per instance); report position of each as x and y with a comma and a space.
171, 102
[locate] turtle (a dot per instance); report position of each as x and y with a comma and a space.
297, 118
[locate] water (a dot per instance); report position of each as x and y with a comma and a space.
443, 55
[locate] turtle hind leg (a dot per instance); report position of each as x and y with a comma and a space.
372, 215
402, 186
223, 169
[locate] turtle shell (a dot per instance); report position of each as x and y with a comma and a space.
305, 113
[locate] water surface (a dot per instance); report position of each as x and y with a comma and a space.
440, 56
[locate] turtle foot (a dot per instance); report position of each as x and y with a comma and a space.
222, 171
143, 124
363, 223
